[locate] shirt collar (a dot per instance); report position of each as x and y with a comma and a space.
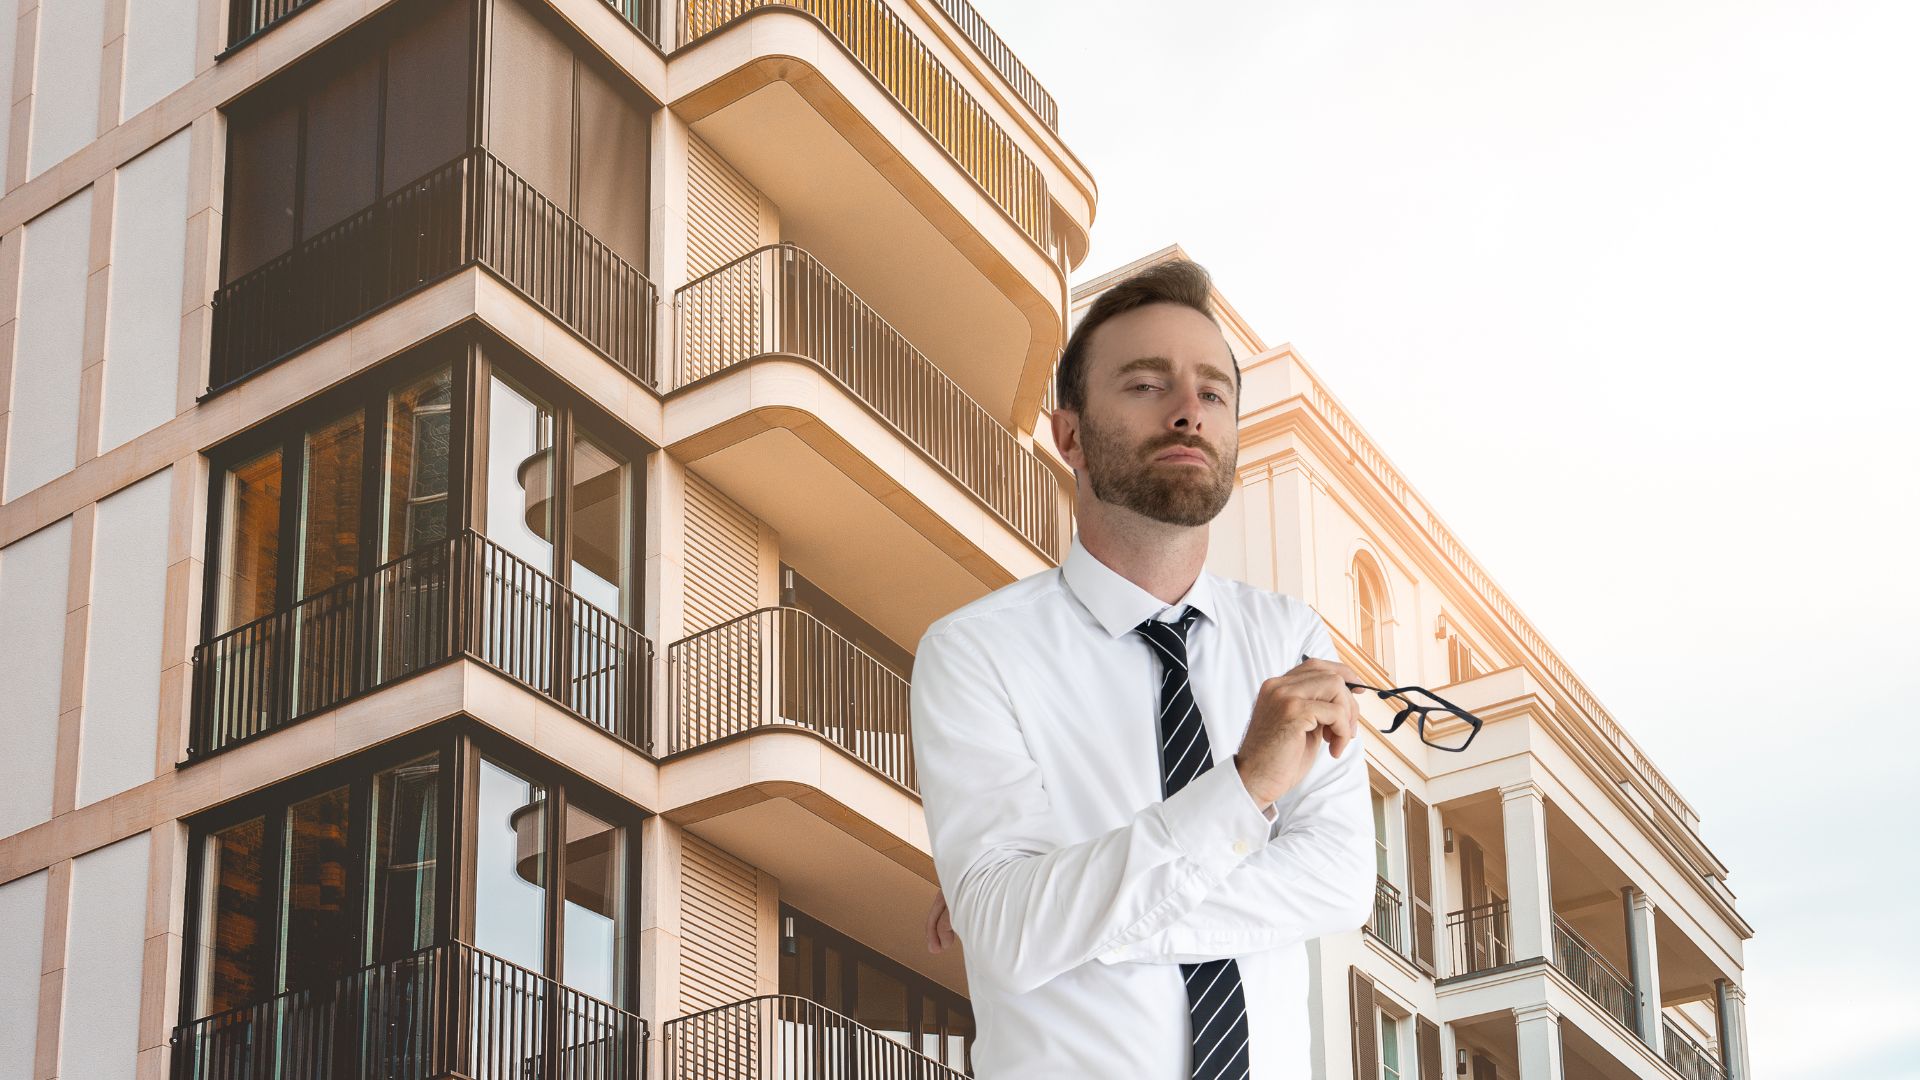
1117, 604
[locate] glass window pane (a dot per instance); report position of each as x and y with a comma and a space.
233, 955
530, 121
406, 861
250, 551
881, 1002
600, 520
960, 1037
593, 933
613, 166
419, 433
316, 933
509, 904
520, 475
262, 160
330, 504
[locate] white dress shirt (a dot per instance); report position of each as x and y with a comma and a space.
1076, 890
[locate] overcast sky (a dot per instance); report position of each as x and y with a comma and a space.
1627, 290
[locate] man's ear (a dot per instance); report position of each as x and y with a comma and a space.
1066, 436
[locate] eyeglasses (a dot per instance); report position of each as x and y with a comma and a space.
1428, 710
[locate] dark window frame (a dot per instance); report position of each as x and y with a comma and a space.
919, 987
458, 744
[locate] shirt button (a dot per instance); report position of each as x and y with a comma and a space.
1239, 847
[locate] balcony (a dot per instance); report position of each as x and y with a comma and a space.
1688, 1058
1583, 965
780, 300
1478, 936
471, 211
895, 56
1003, 60
782, 666
447, 1010
464, 597
1385, 923
789, 1037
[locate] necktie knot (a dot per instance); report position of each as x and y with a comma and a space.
1170, 637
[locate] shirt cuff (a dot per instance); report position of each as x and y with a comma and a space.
1215, 820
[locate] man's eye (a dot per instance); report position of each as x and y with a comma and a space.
1217, 397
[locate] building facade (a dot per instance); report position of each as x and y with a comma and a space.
472, 473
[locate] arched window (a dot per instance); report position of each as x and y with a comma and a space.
1370, 592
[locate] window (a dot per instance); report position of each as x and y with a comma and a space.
1389, 1047
301, 888
1372, 615
1380, 834
307, 484
519, 850
821, 964
305, 152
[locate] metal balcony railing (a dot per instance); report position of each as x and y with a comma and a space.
793, 1038
249, 18
782, 666
896, 57
471, 211
447, 1010
1385, 923
460, 597
1003, 60
779, 299
1688, 1058
1598, 979
1478, 937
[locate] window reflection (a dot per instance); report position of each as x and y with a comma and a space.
316, 941
593, 935
510, 893
330, 504
250, 562
520, 474
234, 929
824, 965
419, 434
598, 517
405, 871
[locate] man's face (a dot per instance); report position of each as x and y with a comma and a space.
1159, 383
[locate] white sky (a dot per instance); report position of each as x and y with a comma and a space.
1627, 290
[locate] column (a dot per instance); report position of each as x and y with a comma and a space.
1643, 963
1731, 1005
1523, 813
1536, 1032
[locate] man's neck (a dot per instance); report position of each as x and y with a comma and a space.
1163, 559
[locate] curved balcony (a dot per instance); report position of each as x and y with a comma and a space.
780, 300
903, 202
889, 49
791, 1037
460, 597
447, 1010
472, 211
781, 666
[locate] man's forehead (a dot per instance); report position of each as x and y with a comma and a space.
1160, 342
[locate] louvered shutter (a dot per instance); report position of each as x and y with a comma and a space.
1426, 1036
1366, 1033
1420, 880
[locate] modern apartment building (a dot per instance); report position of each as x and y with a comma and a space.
473, 473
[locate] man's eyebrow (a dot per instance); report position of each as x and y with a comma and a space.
1164, 365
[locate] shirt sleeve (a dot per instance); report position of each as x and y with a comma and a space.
1316, 877
1027, 905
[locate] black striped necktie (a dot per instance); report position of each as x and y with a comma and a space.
1216, 1004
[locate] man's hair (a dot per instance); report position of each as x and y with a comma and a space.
1176, 281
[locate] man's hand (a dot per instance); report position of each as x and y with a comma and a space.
940, 933
1292, 713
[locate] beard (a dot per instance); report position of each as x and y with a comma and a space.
1127, 476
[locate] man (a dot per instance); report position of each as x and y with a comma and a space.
1127, 909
